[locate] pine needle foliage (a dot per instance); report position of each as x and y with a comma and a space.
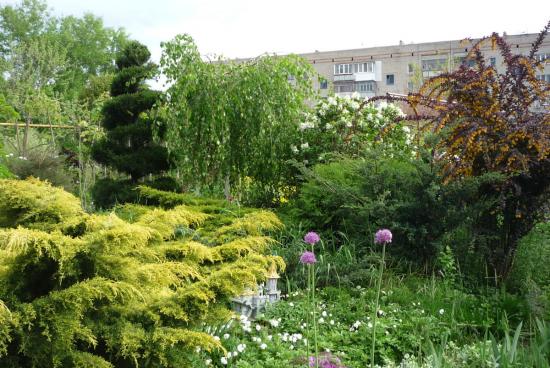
130, 288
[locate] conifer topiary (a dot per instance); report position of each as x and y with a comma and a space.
129, 146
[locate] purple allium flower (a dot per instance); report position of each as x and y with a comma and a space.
383, 236
312, 238
326, 360
308, 258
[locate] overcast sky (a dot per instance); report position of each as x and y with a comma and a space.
247, 28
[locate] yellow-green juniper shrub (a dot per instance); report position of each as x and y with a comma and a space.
103, 290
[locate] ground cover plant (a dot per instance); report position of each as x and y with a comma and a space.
420, 324
122, 289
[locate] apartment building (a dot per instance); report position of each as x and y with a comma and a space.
402, 68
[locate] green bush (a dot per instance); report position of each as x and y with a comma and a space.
530, 275
358, 197
350, 199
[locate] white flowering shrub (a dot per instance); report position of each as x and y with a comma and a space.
349, 126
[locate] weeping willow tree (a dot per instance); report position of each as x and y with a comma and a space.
130, 288
227, 121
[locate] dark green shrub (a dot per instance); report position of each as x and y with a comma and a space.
350, 199
357, 197
530, 274
108, 192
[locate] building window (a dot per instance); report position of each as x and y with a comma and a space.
410, 68
542, 56
410, 86
390, 79
470, 63
343, 88
342, 69
365, 87
434, 65
323, 84
367, 67
493, 61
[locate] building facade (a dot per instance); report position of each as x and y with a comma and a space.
402, 68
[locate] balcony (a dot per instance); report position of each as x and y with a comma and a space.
344, 77
362, 72
361, 94
431, 73
367, 76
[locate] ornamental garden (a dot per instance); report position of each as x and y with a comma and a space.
409, 231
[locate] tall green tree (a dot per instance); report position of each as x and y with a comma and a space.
128, 146
230, 120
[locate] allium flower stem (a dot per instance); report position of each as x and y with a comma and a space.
375, 316
314, 307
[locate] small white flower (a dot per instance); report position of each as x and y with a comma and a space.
269, 337
224, 360
369, 325
331, 321
304, 145
294, 149
258, 327
274, 323
225, 336
291, 304
321, 320
324, 313
217, 338
208, 361
241, 347
306, 125
441, 311
263, 346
